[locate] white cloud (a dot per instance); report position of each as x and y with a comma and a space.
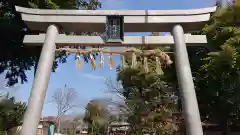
113, 4
92, 76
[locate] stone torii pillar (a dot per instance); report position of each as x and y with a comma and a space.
40, 83
186, 85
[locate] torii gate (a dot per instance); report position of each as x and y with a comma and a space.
175, 21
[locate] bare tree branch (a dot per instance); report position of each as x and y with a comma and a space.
65, 99
113, 87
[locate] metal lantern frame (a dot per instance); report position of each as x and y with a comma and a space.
115, 28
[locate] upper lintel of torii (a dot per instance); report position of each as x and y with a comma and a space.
134, 20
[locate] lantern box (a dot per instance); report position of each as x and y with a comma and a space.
115, 28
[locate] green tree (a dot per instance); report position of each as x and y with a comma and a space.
11, 113
149, 98
15, 58
148, 102
218, 77
96, 117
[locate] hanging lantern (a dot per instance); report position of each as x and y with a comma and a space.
115, 30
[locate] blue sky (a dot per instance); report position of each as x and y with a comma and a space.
90, 84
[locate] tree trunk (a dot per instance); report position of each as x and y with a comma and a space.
59, 125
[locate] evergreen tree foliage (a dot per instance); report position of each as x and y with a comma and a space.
15, 58
149, 98
218, 78
96, 117
11, 113
149, 102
